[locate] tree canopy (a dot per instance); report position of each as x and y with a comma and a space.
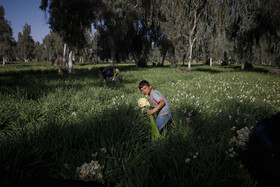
227, 31
6, 37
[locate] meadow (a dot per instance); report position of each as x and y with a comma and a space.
54, 125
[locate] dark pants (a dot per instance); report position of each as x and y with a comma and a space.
116, 78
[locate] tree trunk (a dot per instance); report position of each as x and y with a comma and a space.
113, 52
191, 42
190, 56
135, 60
184, 58
211, 61
70, 61
64, 56
173, 60
3, 61
163, 58
243, 63
192, 32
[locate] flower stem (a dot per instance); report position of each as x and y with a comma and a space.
154, 131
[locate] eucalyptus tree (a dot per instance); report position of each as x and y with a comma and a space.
216, 20
172, 18
85, 53
70, 19
165, 46
6, 37
252, 20
268, 29
179, 23
124, 30
25, 45
155, 55
53, 45
38, 52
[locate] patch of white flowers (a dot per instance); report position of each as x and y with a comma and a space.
90, 171
143, 102
191, 157
239, 141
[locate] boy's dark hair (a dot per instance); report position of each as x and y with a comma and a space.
101, 68
143, 83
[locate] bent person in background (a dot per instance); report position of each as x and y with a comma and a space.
57, 62
111, 73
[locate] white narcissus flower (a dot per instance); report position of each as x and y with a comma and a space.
187, 160
143, 102
103, 150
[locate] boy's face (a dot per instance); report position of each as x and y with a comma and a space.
146, 90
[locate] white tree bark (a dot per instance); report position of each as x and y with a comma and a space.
243, 64
211, 61
64, 56
70, 61
191, 42
135, 60
81, 59
3, 61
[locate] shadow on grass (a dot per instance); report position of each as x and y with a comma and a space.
208, 70
204, 140
37, 83
45, 148
228, 68
256, 69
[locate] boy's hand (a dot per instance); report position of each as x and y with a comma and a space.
161, 103
150, 112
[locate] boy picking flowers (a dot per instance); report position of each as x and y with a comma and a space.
160, 104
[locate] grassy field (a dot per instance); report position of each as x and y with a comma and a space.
51, 125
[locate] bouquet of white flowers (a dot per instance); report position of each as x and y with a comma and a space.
144, 103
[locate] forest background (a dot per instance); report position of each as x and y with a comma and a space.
141, 31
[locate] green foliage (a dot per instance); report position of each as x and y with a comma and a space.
25, 45
53, 46
6, 37
51, 124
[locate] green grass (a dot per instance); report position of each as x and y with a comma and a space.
48, 121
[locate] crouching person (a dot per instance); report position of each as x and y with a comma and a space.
160, 104
111, 73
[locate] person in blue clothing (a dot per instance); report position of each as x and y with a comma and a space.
111, 73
